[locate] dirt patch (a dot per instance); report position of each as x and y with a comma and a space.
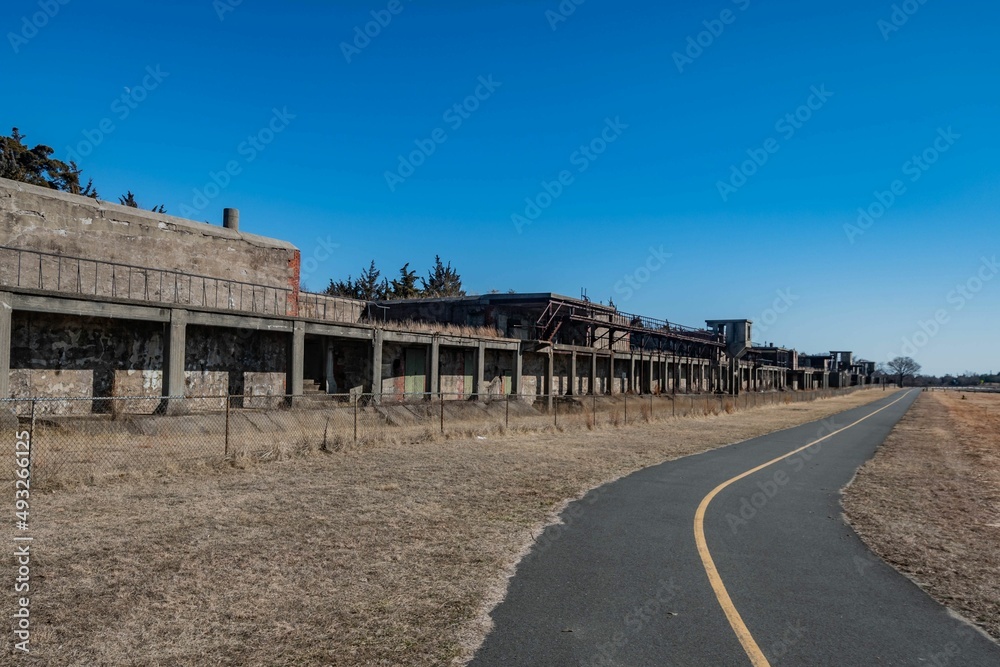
387, 555
929, 501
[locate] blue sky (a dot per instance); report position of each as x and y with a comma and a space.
649, 112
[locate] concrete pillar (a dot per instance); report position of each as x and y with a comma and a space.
434, 368
550, 373
173, 354
611, 373
480, 380
174, 347
572, 373
297, 360
6, 310
331, 385
518, 370
593, 373
377, 362
649, 376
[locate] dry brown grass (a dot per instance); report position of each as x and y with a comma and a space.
929, 501
442, 328
385, 555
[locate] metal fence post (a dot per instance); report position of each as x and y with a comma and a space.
225, 450
356, 400
442, 414
31, 441
555, 412
506, 418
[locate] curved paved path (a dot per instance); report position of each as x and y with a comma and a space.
623, 581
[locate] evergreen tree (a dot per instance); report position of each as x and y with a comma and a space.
442, 280
344, 288
128, 199
369, 287
37, 166
405, 287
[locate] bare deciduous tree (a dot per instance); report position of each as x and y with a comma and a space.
903, 366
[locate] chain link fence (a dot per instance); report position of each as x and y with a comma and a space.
93, 440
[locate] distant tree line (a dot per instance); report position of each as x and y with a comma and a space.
903, 368
441, 280
36, 166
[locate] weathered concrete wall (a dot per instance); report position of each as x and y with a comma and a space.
533, 374
66, 356
263, 390
45, 220
98, 347
352, 365
454, 368
54, 383
219, 360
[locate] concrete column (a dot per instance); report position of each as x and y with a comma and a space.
611, 373
572, 373
297, 361
518, 370
550, 373
377, 362
331, 386
631, 372
593, 373
480, 379
649, 376
6, 326
434, 369
173, 354
173, 361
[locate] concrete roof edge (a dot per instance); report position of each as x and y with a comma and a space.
148, 216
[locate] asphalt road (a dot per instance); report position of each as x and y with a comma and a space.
622, 581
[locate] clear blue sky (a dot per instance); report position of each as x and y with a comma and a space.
888, 92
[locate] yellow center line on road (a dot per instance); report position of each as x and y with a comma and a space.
753, 651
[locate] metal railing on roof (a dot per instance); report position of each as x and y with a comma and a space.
66, 274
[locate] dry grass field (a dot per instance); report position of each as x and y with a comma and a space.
929, 501
389, 554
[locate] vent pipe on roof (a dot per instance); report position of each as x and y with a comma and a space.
231, 219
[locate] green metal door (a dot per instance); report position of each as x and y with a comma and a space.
470, 365
416, 372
